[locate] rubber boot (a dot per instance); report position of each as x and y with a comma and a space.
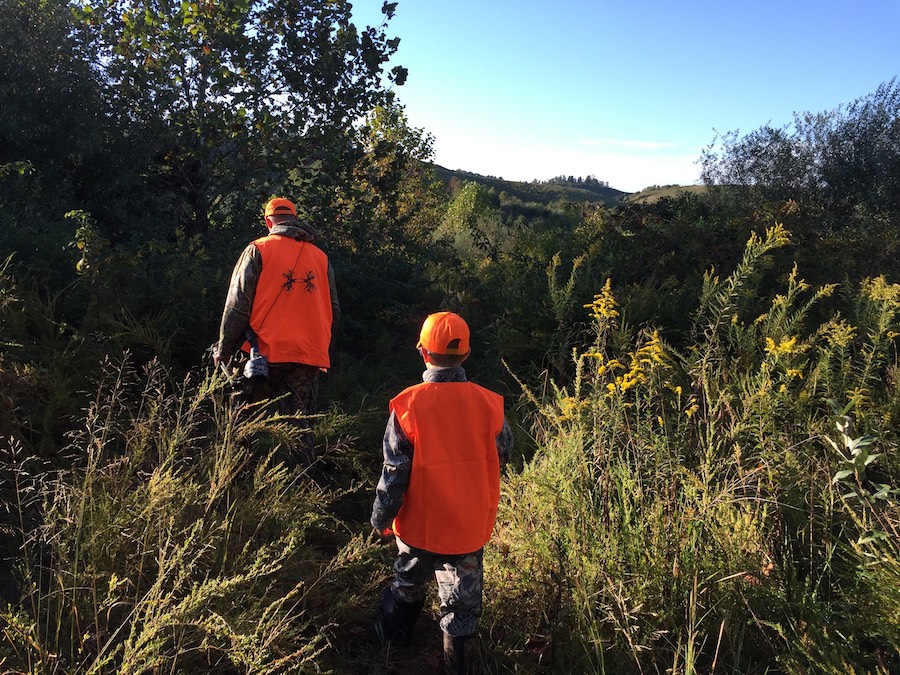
458, 652
396, 618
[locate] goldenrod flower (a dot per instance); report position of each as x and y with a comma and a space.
839, 333
880, 290
604, 304
786, 346
860, 396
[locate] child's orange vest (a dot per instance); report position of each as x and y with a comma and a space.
291, 313
454, 486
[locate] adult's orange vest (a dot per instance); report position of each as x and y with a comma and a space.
454, 486
291, 313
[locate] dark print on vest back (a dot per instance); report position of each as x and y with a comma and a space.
289, 280
310, 277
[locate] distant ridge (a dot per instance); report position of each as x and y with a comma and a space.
539, 192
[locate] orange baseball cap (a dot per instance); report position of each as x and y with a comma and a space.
280, 206
444, 333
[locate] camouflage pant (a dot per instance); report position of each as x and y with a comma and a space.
459, 579
295, 388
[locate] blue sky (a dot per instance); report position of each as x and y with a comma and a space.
627, 91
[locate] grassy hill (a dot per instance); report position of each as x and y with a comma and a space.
541, 193
655, 193
548, 193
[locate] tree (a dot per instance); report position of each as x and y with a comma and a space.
845, 161
49, 96
234, 95
395, 200
52, 133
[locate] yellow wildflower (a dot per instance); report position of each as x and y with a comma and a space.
786, 346
792, 279
880, 290
569, 406
839, 333
653, 351
795, 372
604, 304
827, 290
860, 396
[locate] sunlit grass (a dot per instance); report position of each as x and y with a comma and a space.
681, 513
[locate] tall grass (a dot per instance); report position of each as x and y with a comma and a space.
729, 506
176, 542
703, 510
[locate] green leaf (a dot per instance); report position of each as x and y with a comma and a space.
872, 458
861, 442
841, 475
885, 492
873, 535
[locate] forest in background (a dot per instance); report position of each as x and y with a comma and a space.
705, 387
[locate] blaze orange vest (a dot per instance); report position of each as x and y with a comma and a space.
291, 313
451, 503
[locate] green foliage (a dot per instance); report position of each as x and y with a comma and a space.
831, 177
234, 95
655, 193
843, 163
682, 502
679, 512
175, 541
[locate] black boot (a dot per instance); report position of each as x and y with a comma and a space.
396, 618
458, 651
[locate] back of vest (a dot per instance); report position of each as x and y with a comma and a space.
451, 503
291, 313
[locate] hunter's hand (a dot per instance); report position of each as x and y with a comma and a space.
384, 535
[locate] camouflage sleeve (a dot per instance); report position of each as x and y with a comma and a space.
335, 305
504, 442
239, 303
398, 454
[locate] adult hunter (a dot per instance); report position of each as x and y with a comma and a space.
282, 303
